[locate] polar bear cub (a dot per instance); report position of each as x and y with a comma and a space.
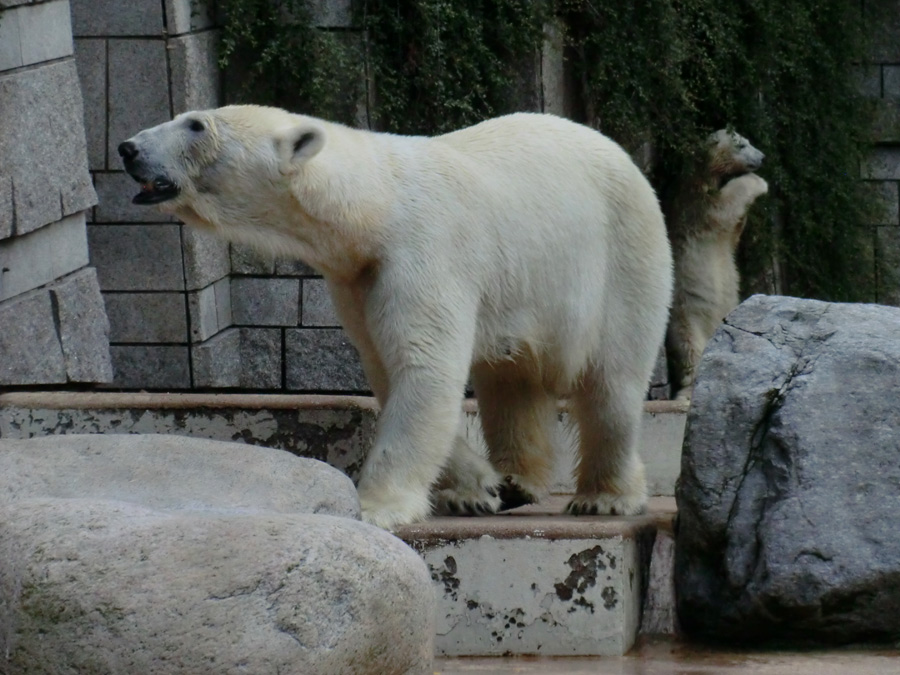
707, 220
526, 251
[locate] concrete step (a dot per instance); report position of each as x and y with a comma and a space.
534, 581
335, 429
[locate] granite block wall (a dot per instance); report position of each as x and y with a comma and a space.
53, 326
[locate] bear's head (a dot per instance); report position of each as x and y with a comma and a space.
253, 174
730, 155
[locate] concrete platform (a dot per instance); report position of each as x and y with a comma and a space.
534, 581
672, 658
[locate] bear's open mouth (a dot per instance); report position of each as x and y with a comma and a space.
155, 191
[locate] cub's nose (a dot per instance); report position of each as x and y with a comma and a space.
128, 151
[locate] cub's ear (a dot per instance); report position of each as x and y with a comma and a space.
298, 144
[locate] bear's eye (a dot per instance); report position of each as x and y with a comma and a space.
196, 125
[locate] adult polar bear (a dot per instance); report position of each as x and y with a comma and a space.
527, 248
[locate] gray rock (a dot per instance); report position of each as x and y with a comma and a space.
146, 317
206, 258
788, 498
167, 555
90, 58
217, 361
316, 309
173, 472
194, 68
112, 17
260, 358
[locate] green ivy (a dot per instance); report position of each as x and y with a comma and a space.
667, 72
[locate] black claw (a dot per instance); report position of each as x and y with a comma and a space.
613, 511
453, 508
492, 491
593, 509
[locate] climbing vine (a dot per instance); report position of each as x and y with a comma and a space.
652, 73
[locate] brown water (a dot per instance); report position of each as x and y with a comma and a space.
671, 658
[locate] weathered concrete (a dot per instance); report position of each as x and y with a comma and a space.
532, 581
788, 495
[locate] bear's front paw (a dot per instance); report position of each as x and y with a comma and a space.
389, 515
607, 504
514, 492
472, 502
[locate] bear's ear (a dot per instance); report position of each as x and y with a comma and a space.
298, 144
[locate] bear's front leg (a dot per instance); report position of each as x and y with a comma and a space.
424, 336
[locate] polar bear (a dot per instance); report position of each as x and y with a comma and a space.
526, 251
706, 219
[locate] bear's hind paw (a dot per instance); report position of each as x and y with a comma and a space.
606, 504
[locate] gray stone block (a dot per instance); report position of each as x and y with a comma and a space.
245, 260
42, 144
10, 43
868, 80
204, 317
6, 206
887, 261
90, 58
30, 351
260, 357
885, 195
138, 90
39, 257
137, 257
316, 308
883, 163
217, 362
555, 96
114, 193
194, 67
184, 16
322, 359
293, 268
265, 302
114, 17
891, 81
150, 367
146, 317
83, 327
206, 258
223, 302
45, 31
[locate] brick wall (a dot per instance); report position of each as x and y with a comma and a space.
53, 328
880, 79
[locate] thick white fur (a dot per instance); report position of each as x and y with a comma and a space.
528, 249
708, 218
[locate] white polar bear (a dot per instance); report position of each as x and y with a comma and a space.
706, 220
528, 249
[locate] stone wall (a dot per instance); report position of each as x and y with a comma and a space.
880, 80
53, 329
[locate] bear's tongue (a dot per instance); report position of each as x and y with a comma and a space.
147, 187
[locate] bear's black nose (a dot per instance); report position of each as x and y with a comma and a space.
128, 151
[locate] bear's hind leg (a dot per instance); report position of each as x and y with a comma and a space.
518, 416
610, 474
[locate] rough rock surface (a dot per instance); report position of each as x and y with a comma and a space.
168, 555
789, 497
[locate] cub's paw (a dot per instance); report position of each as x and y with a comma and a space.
606, 504
467, 501
515, 492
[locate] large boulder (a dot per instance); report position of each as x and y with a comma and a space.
789, 496
171, 555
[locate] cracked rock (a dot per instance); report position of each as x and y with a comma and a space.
166, 555
789, 495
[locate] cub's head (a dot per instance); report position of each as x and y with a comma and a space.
730, 155
216, 167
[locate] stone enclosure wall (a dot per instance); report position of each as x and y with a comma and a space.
185, 310
53, 327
